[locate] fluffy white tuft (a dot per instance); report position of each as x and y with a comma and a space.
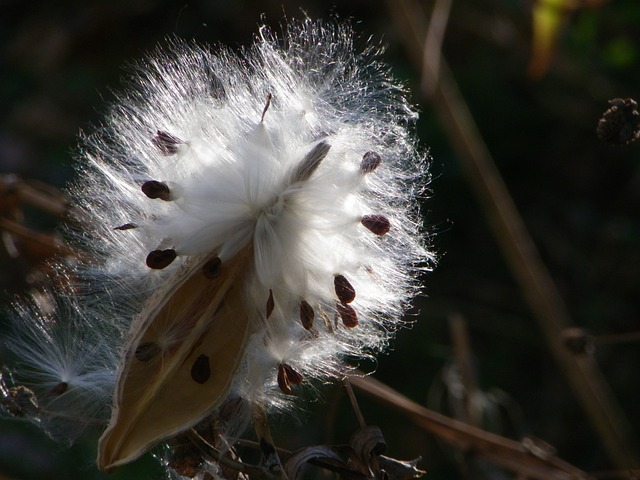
300, 147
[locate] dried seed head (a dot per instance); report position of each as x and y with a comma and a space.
620, 124
274, 200
378, 224
348, 315
370, 161
159, 259
344, 290
306, 314
166, 143
155, 189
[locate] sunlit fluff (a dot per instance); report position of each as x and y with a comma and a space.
298, 151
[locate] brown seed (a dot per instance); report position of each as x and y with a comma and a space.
266, 106
287, 376
370, 161
155, 189
146, 351
201, 370
126, 226
378, 224
306, 314
348, 315
270, 304
59, 389
159, 259
344, 290
166, 143
211, 269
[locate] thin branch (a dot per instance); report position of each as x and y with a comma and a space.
433, 45
354, 402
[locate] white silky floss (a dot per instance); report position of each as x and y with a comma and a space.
296, 153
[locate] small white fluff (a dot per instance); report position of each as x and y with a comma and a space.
299, 147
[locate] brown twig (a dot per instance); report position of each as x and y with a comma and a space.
354, 402
501, 451
462, 352
522, 256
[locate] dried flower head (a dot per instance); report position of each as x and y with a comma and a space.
245, 221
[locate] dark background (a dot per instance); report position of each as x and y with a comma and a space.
580, 200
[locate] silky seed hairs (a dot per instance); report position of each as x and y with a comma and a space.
244, 221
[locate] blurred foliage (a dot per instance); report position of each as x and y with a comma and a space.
579, 198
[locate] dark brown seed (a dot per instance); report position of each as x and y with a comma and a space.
59, 389
348, 315
270, 304
378, 224
344, 290
155, 189
306, 314
146, 351
211, 269
370, 161
159, 259
266, 106
166, 143
126, 226
287, 376
201, 370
